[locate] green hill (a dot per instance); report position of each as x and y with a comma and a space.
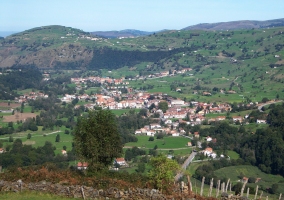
249, 63
265, 180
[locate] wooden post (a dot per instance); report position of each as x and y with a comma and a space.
248, 192
189, 185
82, 191
202, 185
181, 186
230, 187
195, 187
227, 185
280, 196
256, 190
243, 188
266, 197
217, 188
20, 183
210, 190
261, 195
223, 187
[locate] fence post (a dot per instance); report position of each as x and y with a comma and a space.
280, 196
82, 191
256, 190
189, 185
217, 188
223, 187
210, 190
248, 192
202, 185
244, 185
227, 185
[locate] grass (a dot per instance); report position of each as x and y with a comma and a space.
233, 155
27, 195
167, 142
123, 111
233, 172
39, 138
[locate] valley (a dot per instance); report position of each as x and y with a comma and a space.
218, 93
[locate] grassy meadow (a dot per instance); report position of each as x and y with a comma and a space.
168, 143
267, 180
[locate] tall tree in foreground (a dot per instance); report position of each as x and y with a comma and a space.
163, 171
97, 140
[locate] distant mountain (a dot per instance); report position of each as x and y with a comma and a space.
234, 25
122, 33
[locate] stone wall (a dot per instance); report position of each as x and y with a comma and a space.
84, 192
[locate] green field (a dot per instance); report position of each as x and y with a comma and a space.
168, 142
233, 155
234, 173
39, 138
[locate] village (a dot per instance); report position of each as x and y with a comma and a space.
116, 94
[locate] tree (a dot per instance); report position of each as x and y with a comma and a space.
11, 139
29, 136
141, 168
97, 139
163, 105
274, 188
163, 171
57, 139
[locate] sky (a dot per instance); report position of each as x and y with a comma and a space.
145, 15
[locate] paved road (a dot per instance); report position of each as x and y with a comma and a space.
260, 107
185, 164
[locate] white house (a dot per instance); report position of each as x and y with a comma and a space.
208, 151
208, 139
261, 121
168, 121
120, 161
150, 133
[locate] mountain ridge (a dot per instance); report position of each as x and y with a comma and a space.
234, 25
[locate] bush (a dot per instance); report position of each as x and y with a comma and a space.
251, 180
151, 138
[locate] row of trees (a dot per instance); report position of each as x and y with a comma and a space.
21, 155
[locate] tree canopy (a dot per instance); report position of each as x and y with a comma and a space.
163, 171
97, 139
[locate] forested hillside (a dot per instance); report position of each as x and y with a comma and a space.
264, 148
18, 78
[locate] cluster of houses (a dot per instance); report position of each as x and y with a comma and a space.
28, 96
118, 161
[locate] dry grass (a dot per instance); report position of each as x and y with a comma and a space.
18, 116
29, 142
12, 105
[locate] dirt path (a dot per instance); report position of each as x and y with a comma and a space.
33, 135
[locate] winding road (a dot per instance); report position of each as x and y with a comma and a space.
268, 103
185, 164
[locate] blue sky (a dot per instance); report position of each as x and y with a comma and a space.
147, 15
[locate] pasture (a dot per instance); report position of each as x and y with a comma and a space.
18, 117
236, 172
167, 143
